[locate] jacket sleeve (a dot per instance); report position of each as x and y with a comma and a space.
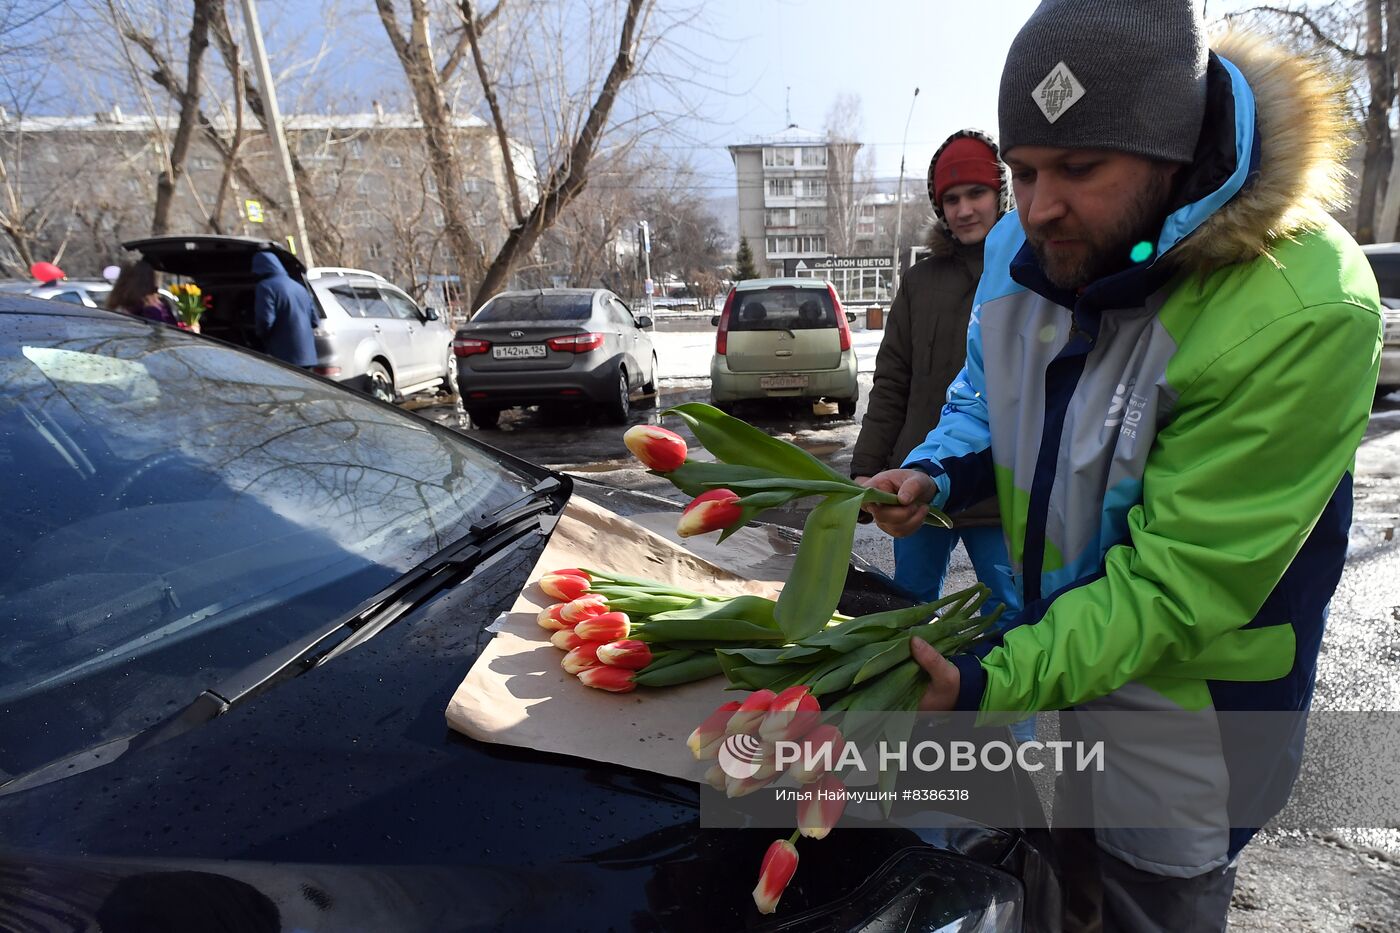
958, 452
1235, 483
264, 309
889, 396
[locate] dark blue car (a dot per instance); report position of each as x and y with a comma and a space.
235, 600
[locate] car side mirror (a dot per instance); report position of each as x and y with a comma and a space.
431, 314
850, 317
714, 320
644, 322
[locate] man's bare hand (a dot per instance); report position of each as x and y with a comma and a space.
944, 677
915, 489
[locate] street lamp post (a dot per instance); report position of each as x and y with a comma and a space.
646, 258
899, 208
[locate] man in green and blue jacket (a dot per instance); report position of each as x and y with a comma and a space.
1170, 364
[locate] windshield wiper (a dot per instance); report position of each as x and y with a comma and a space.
532, 513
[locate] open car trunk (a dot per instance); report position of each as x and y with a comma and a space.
222, 267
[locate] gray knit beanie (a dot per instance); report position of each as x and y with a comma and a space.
1127, 75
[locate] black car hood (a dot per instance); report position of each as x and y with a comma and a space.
341, 800
209, 255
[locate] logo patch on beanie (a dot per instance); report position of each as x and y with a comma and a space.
1059, 91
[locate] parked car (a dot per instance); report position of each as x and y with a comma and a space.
554, 346
783, 338
1385, 262
236, 601
372, 336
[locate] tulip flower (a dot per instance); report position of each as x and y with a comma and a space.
611, 679
821, 750
610, 626
742, 787
581, 658
565, 586
566, 639
704, 742
629, 653
791, 715
715, 777
750, 712
819, 813
710, 511
585, 607
572, 572
779, 865
550, 619
658, 449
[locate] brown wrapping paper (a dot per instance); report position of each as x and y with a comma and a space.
517, 694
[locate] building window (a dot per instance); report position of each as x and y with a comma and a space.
394, 160
356, 148
814, 157
812, 188
778, 217
202, 162
778, 158
780, 187
375, 250
811, 217
472, 185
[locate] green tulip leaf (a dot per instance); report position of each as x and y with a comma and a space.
819, 571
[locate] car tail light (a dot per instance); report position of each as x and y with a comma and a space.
326, 370
576, 343
722, 337
843, 326
466, 346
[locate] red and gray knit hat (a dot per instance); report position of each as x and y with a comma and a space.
967, 157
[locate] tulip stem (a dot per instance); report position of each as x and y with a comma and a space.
796, 834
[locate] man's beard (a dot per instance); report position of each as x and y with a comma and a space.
1103, 253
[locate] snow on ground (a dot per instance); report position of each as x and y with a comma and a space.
686, 354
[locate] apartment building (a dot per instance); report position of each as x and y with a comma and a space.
82, 184
787, 186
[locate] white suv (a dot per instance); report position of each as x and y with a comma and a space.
371, 335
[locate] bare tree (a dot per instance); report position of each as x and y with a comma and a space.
1361, 40
174, 165
426, 78
569, 175
848, 173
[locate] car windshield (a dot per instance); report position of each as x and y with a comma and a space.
536, 308
172, 510
783, 308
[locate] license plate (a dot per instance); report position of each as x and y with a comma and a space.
782, 382
520, 351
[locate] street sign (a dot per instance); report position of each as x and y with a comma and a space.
253, 211
648, 287
646, 239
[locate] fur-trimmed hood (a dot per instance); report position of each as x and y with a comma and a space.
1299, 113
937, 237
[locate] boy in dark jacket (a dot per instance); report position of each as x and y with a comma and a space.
923, 350
283, 314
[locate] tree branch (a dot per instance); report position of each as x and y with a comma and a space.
488, 89
1312, 26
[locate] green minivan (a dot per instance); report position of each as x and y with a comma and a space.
783, 338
